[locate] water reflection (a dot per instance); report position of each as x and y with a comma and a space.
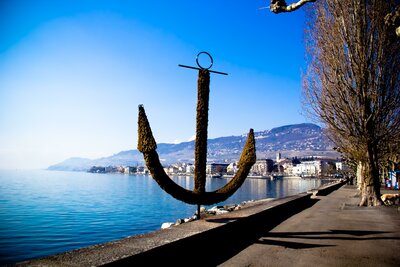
255, 189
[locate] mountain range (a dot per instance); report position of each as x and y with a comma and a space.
298, 140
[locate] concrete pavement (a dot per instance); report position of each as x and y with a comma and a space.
333, 232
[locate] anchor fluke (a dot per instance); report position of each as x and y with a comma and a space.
146, 142
248, 155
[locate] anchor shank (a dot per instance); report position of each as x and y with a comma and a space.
203, 87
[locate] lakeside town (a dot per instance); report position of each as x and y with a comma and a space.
313, 166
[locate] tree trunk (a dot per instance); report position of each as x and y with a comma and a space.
360, 174
370, 193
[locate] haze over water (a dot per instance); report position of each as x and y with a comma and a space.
48, 212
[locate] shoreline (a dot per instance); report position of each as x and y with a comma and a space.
73, 185
175, 244
143, 244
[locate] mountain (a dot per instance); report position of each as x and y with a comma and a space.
299, 140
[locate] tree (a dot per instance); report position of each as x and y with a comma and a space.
392, 19
352, 81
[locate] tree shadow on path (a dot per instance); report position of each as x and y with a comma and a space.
351, 235
216, 246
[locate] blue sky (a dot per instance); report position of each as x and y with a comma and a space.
72, 73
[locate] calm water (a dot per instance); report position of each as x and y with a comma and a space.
48, 212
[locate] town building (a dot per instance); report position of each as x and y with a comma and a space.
216, 168
190, 168
232, 168
307, 168
315, 168
130, 170
262, 167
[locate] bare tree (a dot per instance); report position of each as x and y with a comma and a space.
392, 19
352, 81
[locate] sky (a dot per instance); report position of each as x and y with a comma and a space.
73, 72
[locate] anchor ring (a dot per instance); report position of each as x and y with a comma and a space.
197, 60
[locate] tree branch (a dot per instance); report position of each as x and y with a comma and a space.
278, 6
393, 20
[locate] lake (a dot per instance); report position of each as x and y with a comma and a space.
48, 212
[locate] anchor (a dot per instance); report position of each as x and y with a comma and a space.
147, 145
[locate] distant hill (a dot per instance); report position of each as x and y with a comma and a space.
291, 140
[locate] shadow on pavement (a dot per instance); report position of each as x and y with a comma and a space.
328, 235
293, 245
220, 244
330, 232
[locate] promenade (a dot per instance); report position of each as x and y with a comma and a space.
333, 232
328, 229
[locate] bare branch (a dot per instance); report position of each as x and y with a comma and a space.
278, 6
393, 20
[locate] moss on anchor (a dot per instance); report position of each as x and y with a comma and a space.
203, 88
146, 142
147, 145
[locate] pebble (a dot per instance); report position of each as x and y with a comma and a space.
166, 225
216, 210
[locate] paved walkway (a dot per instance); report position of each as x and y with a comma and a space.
332, 232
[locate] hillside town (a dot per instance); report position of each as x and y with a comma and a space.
314, 166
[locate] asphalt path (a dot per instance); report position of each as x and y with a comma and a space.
334, 231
